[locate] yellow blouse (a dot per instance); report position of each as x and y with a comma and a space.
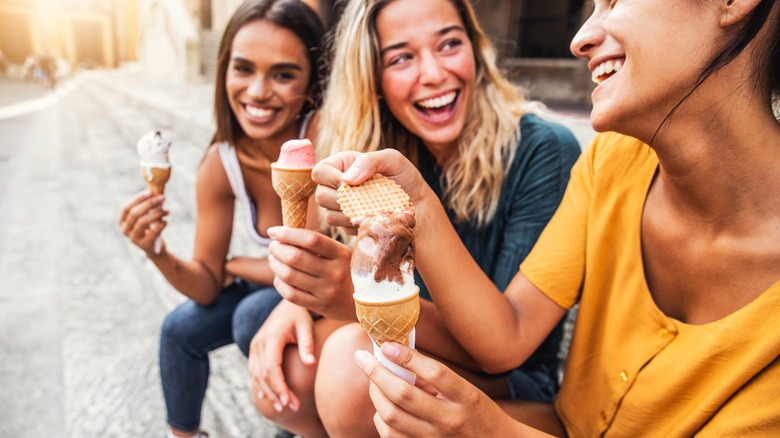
633, 371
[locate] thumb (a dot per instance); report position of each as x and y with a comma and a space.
388, 162
305, 337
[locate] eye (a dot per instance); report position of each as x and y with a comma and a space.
451, 44
284, 76
241, 69
398, 59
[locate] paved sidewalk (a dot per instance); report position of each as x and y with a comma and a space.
183, 113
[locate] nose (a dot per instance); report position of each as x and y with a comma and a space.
590, 35
431, 70
259, 88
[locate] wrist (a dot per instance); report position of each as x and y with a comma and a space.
157, 256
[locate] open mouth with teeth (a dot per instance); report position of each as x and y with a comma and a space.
437, 106
257, 112
605, 70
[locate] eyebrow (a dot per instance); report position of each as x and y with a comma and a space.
442, 32
279, 66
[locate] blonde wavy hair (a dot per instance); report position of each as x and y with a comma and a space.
354, 117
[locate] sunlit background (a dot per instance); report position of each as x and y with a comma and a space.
177, 39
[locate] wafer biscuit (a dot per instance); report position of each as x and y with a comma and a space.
375, 195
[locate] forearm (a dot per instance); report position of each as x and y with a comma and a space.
192, 278
434, 337
465, 297
250, 269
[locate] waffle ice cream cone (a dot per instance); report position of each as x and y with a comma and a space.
376, 195
294, 186
156, 178
389, 321
155, 167
387, 301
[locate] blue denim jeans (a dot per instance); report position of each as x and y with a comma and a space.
191, 331
539, 383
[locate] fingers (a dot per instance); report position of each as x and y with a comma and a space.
327, 198
446, 381
328, 172
304, 334
388, 419
142, 219
146, 194
312, 241
388, 162
265, 367
392, 418
331, 268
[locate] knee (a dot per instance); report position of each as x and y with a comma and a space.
250, 314
341, 389
179, 326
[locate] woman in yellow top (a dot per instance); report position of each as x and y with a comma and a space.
672, 250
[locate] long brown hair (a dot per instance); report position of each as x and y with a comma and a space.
293, 15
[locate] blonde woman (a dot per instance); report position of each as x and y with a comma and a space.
427, 85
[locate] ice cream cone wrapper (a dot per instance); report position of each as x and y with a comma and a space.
156, 178
294, 187
392, 366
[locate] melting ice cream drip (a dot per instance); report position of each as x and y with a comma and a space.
383, 256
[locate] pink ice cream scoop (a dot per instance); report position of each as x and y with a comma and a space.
296, 154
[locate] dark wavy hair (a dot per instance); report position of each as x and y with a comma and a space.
293, 15
767, 58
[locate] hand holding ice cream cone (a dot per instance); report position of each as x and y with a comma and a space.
291, 179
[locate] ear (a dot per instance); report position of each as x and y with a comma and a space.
734, 11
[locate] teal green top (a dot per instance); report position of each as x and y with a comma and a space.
532, 190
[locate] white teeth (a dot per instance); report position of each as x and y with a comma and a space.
438, 102
608, 67
258, 112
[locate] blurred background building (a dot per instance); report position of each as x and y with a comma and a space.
177, 39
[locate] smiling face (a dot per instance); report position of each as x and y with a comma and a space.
267, 80
645, 58
427, 69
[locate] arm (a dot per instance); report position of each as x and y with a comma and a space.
200, 278
250, 269
467, 298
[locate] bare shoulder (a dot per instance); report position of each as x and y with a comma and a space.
211, 177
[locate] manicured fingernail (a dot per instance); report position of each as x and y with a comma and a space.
278, 407
309, 359
272, 232
390, 350
362, 357
283, 399
352, 173
260, 395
